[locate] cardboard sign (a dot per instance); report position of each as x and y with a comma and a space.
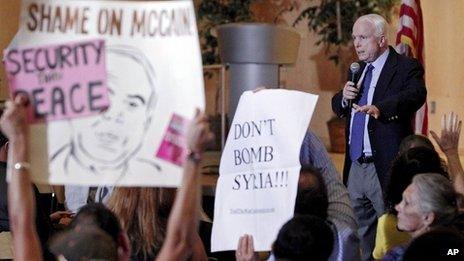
62, 81
260, 166
154, 75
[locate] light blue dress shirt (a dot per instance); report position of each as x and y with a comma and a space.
378, 66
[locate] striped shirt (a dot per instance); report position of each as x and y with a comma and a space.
339, 212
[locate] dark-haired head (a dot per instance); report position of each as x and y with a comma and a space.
406, 165
84, 228
436, 245
98, 215
84, 243
414, 141
304, 237
311, 197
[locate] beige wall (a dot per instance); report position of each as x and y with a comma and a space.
444, 58
9, 18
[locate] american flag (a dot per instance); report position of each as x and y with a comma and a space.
410, 42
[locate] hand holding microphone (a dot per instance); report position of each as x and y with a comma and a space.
350, 91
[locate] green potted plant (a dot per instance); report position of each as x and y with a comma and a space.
212, 13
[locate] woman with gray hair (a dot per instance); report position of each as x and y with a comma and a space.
430, 200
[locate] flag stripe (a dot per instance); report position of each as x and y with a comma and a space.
410, 41
408, 11
407, 21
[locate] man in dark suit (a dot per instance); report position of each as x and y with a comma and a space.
379, 106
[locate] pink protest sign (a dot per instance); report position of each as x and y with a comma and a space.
173, 147
62, 81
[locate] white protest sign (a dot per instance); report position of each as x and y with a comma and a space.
260, 165
154, 81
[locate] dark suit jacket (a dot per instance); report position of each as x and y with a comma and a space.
399, 93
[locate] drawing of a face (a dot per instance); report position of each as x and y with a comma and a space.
118, 133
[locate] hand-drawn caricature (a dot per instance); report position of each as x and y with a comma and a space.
108, 143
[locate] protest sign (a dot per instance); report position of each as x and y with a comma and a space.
154, 81
62, 81
260, 166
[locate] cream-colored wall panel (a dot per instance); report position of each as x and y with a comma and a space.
9, 14
444, 58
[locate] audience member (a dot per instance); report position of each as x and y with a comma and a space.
21, 204
437, 244
406, 165
311, 197
97, 215
21, 199
84, 243
429, 201
304, 237
339, 212
413, 141
322, 194
143, 213
181, 235
448, 142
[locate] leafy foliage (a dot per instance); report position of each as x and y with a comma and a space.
212, 13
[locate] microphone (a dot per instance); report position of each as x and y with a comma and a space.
354, 68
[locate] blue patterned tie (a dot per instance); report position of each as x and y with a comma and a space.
359, 119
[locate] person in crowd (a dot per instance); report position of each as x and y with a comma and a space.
143, 213
448, 142
100, 217
21, 199
46, 224
429, 201
379, 104
21, 203
181, 235
304, 237
84, 243
407, 164
415, 140
414, 161
437, 244
322, 194
339, 212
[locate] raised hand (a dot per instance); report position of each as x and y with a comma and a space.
246, 250
199, 134
450, 132
448, 143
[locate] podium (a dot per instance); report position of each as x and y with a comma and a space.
253, 53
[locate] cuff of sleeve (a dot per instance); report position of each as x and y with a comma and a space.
344, 103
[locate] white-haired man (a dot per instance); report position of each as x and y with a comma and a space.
379, 106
